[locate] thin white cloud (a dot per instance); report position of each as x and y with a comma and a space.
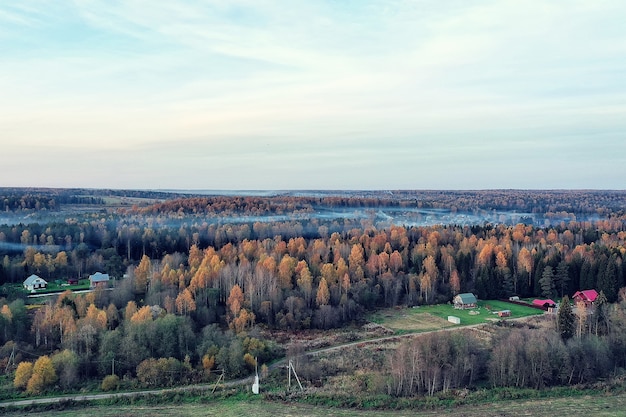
376, 83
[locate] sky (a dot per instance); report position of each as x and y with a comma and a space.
303, 95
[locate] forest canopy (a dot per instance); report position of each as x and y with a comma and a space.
195, 275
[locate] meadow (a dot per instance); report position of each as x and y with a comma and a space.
602, 405
435, 317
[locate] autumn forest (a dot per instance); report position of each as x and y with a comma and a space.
199, 280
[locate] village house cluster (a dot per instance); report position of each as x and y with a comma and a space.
97, 280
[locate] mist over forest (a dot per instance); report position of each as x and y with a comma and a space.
200, 279
383, 208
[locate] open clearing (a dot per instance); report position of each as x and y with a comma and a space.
409, 319
597, 405
434, 317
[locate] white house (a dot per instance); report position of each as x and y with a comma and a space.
34, 282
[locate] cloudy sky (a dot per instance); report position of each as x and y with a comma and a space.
335, 94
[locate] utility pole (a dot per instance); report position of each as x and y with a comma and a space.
11, 360
218, 381
113, 366
291, 369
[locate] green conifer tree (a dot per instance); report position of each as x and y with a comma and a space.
565, 319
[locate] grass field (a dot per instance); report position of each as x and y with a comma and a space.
409, 319
54, 287
435, 317
598, 406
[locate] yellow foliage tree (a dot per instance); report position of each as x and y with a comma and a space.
235, 300
35, 384
485, 255
208, 362
286, 270
22, 374
342, 267
323, 295
455, 282
142, 275
130, 310
501, 261
242, 321
356, 258
195, 257
185, 303
96, 317
43, 375
249, 360
142, 315
395, 262
305, 281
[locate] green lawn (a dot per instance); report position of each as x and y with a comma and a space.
483, 314
425, 318
53, 286
56, 286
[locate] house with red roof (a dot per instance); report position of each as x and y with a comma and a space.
587, 296
545, 304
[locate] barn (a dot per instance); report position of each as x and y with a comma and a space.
545, 304
465, 300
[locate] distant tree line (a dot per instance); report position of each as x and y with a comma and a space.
559, 203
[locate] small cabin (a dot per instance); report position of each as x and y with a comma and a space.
99, 280
454, 319
504, 313
466, 300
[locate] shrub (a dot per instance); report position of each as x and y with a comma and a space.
43, 375
35, 384
110, 383
22, 374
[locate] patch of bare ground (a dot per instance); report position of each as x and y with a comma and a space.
406, 319
308, 340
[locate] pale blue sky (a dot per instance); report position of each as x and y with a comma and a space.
254, 94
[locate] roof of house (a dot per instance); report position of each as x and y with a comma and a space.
466, 298
587, 295
32, 279
541, 302
99, 277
